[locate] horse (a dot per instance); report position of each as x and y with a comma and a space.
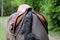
29, 25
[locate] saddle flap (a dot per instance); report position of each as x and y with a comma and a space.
43, 21
38, 29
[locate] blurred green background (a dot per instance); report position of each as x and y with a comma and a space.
50, 9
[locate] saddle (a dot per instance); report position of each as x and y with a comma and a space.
21, 17
39, 15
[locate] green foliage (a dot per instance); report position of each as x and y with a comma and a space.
0, 6
50, 9
56, 18
47, 8
10, 6
34, 4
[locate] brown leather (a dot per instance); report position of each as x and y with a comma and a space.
17, 21
19, 18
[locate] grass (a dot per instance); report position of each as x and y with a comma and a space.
2, 28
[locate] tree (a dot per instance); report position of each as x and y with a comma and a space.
2, 8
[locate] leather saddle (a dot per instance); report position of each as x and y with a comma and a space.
40, 17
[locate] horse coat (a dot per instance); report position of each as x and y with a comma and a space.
37, 27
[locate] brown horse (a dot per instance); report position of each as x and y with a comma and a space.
27, 26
